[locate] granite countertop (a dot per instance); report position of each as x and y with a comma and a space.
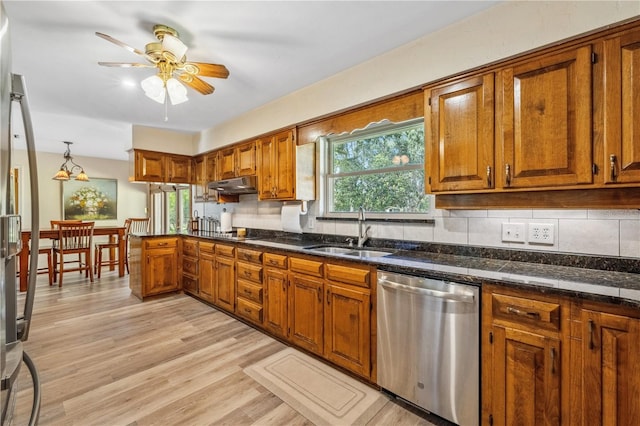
581, 278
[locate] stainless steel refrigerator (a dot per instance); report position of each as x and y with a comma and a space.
14, 325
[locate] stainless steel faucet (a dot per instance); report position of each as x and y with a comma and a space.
363, 236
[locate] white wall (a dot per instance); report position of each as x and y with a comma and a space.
132, 197
504, 30
164, 140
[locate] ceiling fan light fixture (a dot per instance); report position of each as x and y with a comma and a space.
154, 88
177, 92
173, 46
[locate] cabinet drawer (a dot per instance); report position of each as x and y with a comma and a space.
349, 274
249, 255
249, 272
228, 251
249, 310
189, 284
190, 248
160, 243
190, 265
275, 260
206, 247
251, 291
525, 311
306, 266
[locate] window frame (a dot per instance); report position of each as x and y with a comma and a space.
326, 169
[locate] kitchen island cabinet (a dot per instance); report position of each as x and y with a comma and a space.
154, 265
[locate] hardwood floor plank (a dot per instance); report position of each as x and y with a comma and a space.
105, 358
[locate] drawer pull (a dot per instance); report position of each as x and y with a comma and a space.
489, 176
273, 262
247, 291
507, 172
521, 313
162, 244
591, 327
319, 295
247, 310
553, 360
328, 298
612, 161
247, 273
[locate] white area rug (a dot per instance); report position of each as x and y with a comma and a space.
322, 394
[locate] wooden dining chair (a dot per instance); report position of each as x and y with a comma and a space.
74, 239
54, 243
133, 225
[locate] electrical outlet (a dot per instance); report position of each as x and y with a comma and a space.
513, 232
541, 233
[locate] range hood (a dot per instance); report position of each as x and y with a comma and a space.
239, 185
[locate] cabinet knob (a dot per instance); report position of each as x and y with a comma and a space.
489, 176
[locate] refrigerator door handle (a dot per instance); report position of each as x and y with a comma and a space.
19, 94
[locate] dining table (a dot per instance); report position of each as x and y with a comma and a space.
115, 233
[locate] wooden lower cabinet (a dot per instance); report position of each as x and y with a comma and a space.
225, 282
276, 306
347, 322
156, 271
190, 265
605, 366
306, 313
522, 351
207, 264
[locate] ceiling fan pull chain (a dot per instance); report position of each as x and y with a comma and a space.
166, 109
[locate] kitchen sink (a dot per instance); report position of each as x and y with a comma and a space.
349, 251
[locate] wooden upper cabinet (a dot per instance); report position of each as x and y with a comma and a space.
210, 169
622, 109
546, 121
277, 166
178, 168
227, 163
149, 166
459, 135
246, 159
152, 166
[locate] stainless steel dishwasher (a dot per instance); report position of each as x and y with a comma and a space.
428, 344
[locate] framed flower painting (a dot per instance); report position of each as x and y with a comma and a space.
93, 200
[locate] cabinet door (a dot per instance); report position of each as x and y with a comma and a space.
611, 369
348, 328
306, 312
226, 163
267, 169
286, 165
225, 284
178, 168
149, 166
460, 138
198, 180
276, 302
546, 121
246, 159
207, 276
210, 161
161, 271
622, 109
525, 380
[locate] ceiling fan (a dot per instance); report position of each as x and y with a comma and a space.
168, 55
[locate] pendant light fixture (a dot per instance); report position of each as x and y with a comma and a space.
69, 166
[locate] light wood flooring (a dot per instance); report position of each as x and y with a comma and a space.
105, 358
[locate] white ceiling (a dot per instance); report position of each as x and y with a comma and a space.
271, 48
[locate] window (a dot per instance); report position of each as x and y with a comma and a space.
170, 208
380, 168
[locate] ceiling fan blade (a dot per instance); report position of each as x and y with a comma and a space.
206, 70
126, 46
125, 65
197, 84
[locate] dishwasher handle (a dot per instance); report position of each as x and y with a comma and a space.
465, 298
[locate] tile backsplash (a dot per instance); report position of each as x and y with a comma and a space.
596, 232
